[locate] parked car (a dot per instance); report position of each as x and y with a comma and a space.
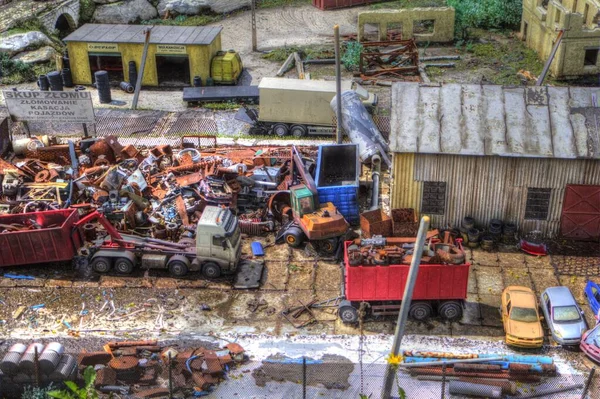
521, 318
565, 319
590, 343
592, 292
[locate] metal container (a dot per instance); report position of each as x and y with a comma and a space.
374, 223
51, 357
150, 261
66, 367
27, 362
10, 363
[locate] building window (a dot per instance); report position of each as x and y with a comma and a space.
591, 57
538, 203
434, 198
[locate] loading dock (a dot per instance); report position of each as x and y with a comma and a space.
175, 55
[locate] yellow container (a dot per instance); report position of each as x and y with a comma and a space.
226, 68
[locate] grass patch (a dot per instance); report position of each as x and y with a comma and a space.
280, 3
409, 4
16, 72
222, 106
184, 20
307, 53
507, 60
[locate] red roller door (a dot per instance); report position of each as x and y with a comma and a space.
581, 212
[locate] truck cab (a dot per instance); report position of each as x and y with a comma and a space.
218, 241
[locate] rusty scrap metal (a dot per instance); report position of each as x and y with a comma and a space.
389, 59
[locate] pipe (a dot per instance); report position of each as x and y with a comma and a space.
552, 391
542, 76
449, 361
480, 390
375, 176
520, 358
338, 85
508, 387
138, 83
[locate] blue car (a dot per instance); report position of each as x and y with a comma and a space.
592, 292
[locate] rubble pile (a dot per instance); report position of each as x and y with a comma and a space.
156, 192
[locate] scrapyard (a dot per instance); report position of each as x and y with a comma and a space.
277, 199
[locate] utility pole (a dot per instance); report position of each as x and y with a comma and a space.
390, 372
254, 45
338, 85
138, 83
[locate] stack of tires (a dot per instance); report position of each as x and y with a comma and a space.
495, 233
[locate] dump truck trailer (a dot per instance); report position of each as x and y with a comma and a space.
440, 288
297, 107
209, 94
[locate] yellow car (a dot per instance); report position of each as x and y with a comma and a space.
521, 318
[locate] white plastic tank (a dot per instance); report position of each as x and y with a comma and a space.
27, 362
10, 362
65, 368
50, 357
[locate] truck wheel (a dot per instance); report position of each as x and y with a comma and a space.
211, 270
327, 246
298, 131
451, 311
281, 129
420, 311
178, 268
294, 237
123, 265
101, 264
348, 314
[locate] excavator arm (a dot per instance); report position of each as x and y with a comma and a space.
110, 229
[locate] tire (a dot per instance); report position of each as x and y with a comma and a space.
123, 265
420, 311
211, 270
178, 268
348, 314
294, 237
328, 246
298, 131
101, 264
281, 129
450, 311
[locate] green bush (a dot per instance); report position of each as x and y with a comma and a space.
11, 68
486, 14
351, 56
86, 10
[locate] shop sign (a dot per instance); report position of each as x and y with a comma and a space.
171, 49
103, 47
50, 106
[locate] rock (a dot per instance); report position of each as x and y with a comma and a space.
14, 44
106, 1
124, 12
43, 54
193, 7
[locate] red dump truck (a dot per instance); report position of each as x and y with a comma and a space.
440, 288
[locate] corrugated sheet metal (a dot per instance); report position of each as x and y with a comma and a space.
161, 34
489, 187
466, 119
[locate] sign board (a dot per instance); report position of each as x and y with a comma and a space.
171, 49
50, 106
103, 47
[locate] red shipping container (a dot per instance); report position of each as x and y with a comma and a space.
50, 243
333, 4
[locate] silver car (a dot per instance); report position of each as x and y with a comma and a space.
563, 316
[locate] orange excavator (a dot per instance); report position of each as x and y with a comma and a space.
321, 224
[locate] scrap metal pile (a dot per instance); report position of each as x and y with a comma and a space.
143, 368
158, 192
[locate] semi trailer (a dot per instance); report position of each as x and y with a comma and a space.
441, 288
58, 235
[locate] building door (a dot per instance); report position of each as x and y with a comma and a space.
173, 70
581, 212
109, 62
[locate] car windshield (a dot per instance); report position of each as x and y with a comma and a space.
526, 315
566, 313
593, 337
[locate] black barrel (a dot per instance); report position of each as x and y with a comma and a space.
103, 86
55, 80
132, 73
66, 77
126, 87
197, 81
43, 83
210, 81
65, 60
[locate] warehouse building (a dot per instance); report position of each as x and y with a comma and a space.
175, 54
525, 155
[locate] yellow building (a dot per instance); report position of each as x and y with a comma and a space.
176, 54
578, 51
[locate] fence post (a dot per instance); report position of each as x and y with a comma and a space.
303, 377
443, 381
36, 367
170, 377
587, 383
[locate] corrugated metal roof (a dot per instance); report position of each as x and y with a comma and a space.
161, 34
545, 122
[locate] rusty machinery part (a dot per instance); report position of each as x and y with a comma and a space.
43, 177
89, 231
280, 205
102, 161
123, 363
160, 231
192, 152
172, 230
102, 148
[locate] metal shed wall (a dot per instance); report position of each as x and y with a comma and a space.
489, 187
